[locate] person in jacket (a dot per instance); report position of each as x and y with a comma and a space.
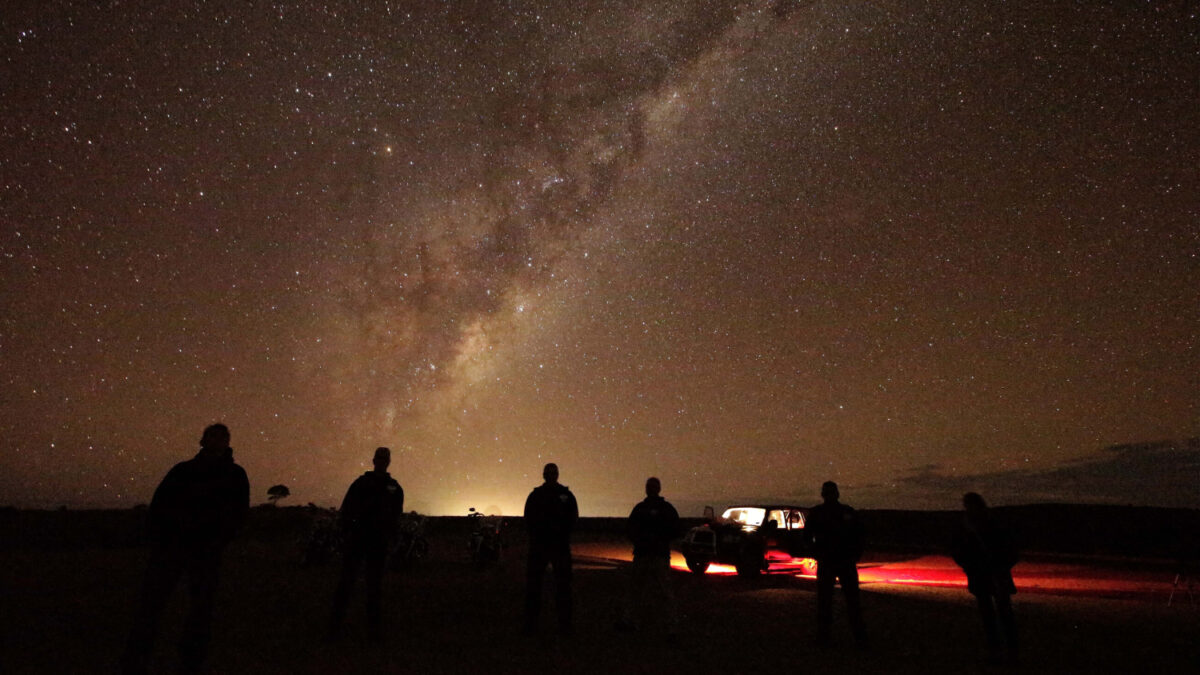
367, 521
985, 551
550, 514
837, 538
652, 525
196, 510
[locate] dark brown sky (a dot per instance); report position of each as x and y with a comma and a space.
910, 247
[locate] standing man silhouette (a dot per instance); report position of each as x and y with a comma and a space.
984, 549
652, 525
550, 513
367, 520
837, 537
196, 510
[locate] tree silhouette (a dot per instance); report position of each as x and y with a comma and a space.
277, 492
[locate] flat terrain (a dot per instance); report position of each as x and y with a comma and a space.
67, 610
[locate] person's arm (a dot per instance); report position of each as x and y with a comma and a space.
671, 524
243, 506
860, 537
958, 548
574, 510
812, 528
348, 513
1008, 548
163, 504
395, 507
527, 515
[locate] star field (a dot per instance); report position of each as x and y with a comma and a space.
746, 248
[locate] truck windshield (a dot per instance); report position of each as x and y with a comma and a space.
746, 515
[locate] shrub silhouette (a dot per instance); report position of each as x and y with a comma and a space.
277, 492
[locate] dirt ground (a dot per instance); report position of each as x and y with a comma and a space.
68, 611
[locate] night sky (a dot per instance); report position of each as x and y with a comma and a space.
914, 247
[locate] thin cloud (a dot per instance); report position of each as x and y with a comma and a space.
1159, 473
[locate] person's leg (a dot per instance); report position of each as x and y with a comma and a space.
826, 576
660, 579
634, 594
534, 567
375, 565
987, 612
203, 569
848, 575
1008, 622
162, 573
351, 559
562, 587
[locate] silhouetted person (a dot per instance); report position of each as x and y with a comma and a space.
652, 525
368, 521
986, 553
837, 537
196, 510
550, 513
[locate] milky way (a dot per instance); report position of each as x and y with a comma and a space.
747, 248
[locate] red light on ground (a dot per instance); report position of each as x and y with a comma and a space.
801, 567
780, 563
940, 572
945, 578
713, 568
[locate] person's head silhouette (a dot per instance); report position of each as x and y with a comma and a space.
829, 492
215, 437
653, 487
550, 473
383, 457
976, 509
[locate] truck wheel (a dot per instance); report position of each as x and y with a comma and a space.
697, 565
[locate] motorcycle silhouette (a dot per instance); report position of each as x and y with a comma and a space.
486, 541
322, 542
411, 545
